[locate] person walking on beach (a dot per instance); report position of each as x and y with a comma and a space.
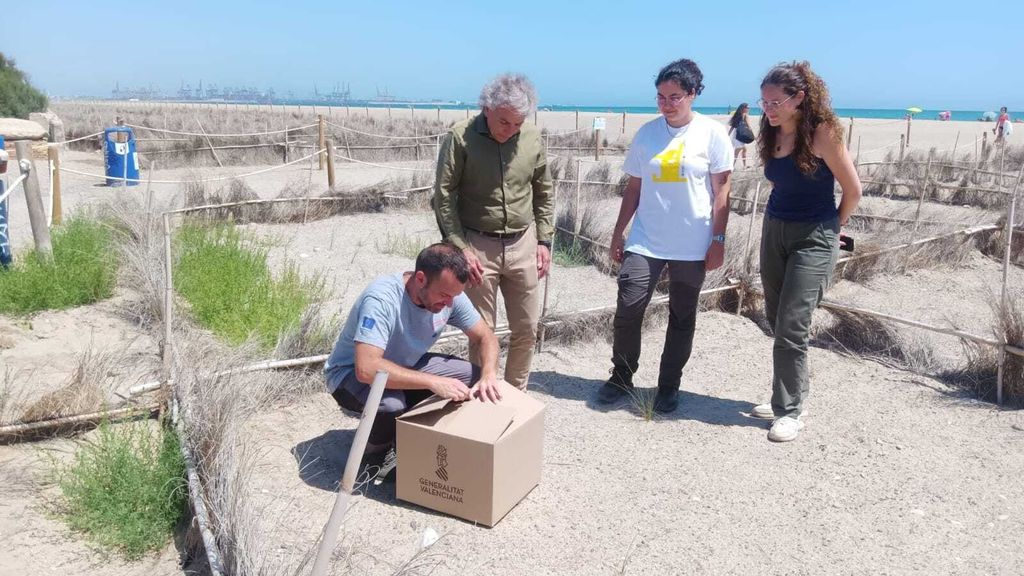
800, 144
677, 196
1003, 127
740, 132
493, 199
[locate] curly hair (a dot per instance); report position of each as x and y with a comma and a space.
685, 73
815, 110
513, 91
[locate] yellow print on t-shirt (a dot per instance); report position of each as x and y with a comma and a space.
670, 160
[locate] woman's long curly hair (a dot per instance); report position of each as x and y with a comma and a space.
815, 110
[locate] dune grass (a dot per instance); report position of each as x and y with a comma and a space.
223, 274
83, 270
125, 489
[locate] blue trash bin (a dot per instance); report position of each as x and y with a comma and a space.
121, 158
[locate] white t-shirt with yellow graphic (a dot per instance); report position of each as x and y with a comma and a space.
673, 220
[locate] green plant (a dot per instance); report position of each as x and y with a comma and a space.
570, 254
224, 276
83, 270
125, 489
400, 244
17, 97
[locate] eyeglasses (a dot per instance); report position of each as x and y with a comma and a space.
675, 100
772, 104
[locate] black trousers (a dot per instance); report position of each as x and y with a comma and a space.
638, 277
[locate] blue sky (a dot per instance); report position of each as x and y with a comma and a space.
935, 54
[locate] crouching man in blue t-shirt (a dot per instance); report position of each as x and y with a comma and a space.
393, 324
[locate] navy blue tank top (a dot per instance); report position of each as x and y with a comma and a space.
798, 197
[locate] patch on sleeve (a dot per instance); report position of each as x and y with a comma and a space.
369, 323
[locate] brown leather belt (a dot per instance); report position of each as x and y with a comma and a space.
499, 235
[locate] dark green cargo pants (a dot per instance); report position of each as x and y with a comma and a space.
797, 260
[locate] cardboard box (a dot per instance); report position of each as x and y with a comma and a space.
475, 460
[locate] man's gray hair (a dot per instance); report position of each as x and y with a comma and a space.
513, 91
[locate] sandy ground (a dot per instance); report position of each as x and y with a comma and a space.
894, 474
924, 483
34, 540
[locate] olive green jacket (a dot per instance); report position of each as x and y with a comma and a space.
492, 187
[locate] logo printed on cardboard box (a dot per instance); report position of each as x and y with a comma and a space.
442, 462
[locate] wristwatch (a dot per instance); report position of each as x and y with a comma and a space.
720, 238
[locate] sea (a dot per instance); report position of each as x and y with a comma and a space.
880, 113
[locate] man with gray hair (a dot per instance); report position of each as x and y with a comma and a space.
493, 199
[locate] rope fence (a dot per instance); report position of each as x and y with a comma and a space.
215, 179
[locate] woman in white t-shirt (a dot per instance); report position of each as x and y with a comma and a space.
678, 199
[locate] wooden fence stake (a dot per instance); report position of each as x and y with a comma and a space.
55, 204
320, 139
1003, 305
330, 164
210, 143
36, 211
920, 200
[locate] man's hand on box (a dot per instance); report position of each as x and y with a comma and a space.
451, 389
487, 388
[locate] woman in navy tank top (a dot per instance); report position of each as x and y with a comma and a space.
801, 146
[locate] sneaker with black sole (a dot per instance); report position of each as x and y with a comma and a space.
388, 472
666, 400
612, 391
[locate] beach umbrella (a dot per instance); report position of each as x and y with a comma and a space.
988, 116
914, 110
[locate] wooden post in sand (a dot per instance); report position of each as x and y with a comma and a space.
920, 199
579, 183
1008, 231
168, 299
909, 117
36, 211
330, 163
320, 139
623, 121
55, 206
849, 135
984, 146
286, 129
577, 119
903, 143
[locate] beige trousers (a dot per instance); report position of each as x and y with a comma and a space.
511, 265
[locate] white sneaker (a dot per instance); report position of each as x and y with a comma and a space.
765, 412
785, 429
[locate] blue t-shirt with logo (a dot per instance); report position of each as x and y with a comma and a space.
385, 316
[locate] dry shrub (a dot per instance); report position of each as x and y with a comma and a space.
947, 252
314, 335
864, 336
183, 150
85, 391
214, 410
140, 247
994, 243
1010, 327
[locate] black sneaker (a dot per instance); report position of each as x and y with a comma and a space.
388, 469
372, 464
612, 391
666, 400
